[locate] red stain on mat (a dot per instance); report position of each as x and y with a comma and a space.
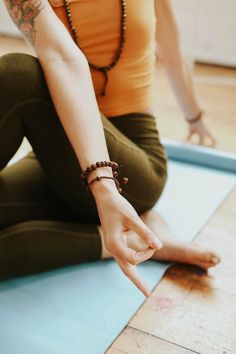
163, 302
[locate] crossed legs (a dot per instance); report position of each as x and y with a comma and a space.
47, 219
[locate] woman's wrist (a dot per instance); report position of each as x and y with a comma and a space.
100, 178
196, 118
101, 171
103, 187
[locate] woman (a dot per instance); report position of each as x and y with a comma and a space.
76, 112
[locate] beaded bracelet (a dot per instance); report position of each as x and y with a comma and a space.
196, 118
125, 180
92, 167
98, 178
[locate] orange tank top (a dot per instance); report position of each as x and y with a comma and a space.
97, 22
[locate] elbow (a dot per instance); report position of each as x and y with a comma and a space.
169, 57
168, 49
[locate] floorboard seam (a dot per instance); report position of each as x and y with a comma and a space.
165, 340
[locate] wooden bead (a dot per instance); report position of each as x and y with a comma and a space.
125, 180
104, 69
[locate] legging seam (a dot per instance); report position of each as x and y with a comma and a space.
134, 148
26, 102
122, 141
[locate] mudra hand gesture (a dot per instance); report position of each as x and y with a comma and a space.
118, 219
197, 128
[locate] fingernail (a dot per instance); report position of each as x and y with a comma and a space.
215, 260
147, 292
156, 244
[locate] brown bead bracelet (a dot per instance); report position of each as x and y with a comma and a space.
98, 178
196, 118
92, 167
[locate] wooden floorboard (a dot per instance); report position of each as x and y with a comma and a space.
137, 342
189, 311
193, 309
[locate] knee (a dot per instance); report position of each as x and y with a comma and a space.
158, 185
15, 67
162, 179
161, 172
145, 198
157, 189
20, 77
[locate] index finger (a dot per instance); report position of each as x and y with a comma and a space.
137, 225
213, 141
132, 273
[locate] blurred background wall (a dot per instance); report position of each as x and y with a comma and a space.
208, 29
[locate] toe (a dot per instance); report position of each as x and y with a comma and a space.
212, 257
205, 255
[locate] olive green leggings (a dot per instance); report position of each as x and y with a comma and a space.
47, 220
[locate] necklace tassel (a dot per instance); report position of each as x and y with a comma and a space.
103, 69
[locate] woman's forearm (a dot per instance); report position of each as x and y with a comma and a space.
180, 78
68, 79
70, 85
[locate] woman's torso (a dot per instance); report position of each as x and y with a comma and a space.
130, 85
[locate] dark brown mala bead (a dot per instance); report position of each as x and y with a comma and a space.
114, 165
103, 69
98, 178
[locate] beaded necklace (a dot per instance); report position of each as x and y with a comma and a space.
103, 69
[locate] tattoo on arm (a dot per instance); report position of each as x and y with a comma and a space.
24, 13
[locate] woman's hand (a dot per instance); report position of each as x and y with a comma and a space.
118, 218
199, 129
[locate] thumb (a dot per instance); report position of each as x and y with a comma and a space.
138, 226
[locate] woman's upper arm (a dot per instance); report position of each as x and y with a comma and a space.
42, 28
167, 33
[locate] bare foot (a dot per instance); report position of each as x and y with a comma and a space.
175, 250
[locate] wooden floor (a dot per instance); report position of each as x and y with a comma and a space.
190, 311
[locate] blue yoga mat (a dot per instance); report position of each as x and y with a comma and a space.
81, 309
200, 155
